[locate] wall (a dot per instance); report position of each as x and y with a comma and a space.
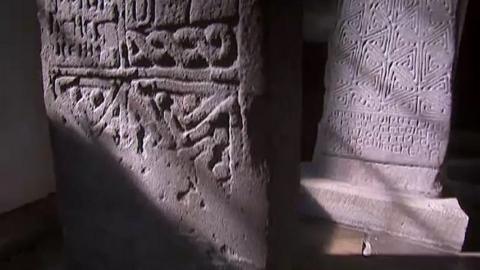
25, 158
319, 17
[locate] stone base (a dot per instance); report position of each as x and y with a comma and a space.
420, 181
322, 237
439, 223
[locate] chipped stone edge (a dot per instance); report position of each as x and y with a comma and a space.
438, 223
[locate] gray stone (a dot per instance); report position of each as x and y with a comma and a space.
207, 10
381, 176
439, 223
167, 133
389, 84
384, 132
157, 13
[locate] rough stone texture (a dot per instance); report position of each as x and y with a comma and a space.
435, 222
384, 132
389, 84
205, 10
321, 237
376, 176
167, 119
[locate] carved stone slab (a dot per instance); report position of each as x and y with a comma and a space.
389, 82
160, 127
433, 222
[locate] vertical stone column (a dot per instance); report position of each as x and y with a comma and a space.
166, 116
387, 108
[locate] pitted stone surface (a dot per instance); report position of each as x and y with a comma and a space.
158, 133
384, 132
439, 223
205, 10
388, 84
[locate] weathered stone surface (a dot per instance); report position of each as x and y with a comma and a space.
384, 132
145, 13
165, 143
82, 35
205, 10
435, 222
389, 83
373, 175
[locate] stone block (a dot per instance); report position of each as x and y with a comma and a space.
156, 13
82, 34
435, 222
419, 181
162, 159
388, 84
170, 12
211, 10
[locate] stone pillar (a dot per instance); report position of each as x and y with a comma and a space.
386, 117
167, 117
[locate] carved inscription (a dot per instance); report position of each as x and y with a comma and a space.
172, 116
372, 135
388, 81
94, 105
158, 33
157, 114
83, 33
158, 119
152, 76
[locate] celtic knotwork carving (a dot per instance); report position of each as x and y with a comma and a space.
221, 46
189, 47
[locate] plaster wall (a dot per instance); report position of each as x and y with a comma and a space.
26, 172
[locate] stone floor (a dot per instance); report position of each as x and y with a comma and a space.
46, 254
321, 246
30, 239
327, 246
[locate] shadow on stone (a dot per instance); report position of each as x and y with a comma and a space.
108, 221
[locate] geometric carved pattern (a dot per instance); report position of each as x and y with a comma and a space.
82, 33
196, 126
187, 47
148, 74
388, 81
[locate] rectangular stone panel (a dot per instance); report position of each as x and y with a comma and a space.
194, 48
82, 33
438, 223
157, 13
380, 137
162, 37
208, 10
388, 82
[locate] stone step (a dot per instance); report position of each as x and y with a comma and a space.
436, 223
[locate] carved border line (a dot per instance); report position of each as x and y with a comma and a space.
228, 75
